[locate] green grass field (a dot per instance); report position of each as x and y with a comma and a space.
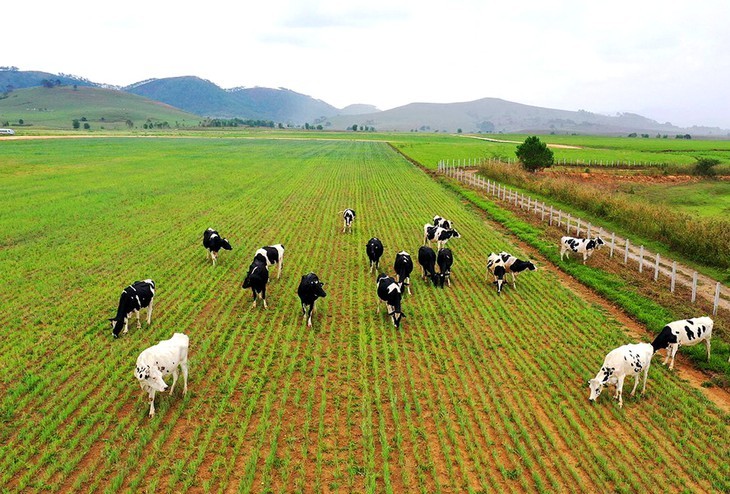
476, 393
707, 198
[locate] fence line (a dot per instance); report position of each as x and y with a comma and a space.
458, 169
470, 162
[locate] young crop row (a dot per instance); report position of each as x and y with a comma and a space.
476, 391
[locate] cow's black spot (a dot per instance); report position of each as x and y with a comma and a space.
690, 333
690, 321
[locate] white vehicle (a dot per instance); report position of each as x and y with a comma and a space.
7, 132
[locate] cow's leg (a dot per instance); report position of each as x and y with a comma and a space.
174, 379
149, 311
309, 319
213, 256
637, 376
254, 297
151, 399
184, 367
619, 391
448, 280
646, 375
674, 347
263, 297
514, 280
281, 263
707, 344
126, 320
139, 324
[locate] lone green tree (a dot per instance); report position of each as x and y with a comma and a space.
534, 154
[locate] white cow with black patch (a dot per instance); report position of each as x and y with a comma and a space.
137, 296
686, 332
579, 245
271, 255
627, 360
161, 360
432, 233
348, 216
442, 222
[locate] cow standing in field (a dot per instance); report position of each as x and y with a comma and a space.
499, 272
137, 296
443, 222
391, 292
161, 360
579, 245
624, 361
427, 260
374, 249
504, 258
310, 289
403, 266
686, 332
348, 215
213, 242
256, 279
438, 234
270, 255
444, 259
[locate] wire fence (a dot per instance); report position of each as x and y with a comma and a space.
469, 162
620, 248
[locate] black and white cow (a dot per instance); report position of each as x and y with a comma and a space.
391, 292
443, 222
403, 266
256, 279
213, 242
517, 267
623, 361
374, 249
504, 258
580, 245
444, 259
159, 361
427, 260
686, 332
310, 289
270, 255
135, 297
438, 234
348, 215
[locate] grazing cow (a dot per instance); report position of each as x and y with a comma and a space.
310, 289
213, 243
504, 258
516, 267
403, 267
445, 259
437, 234
443, 222
427, 260
161, 360
256, 279
684, 332
624, 361
390, 291
374, 250
270, 255
349, 216
580, 245
135, 297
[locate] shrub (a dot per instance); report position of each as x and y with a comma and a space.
706, 166
534, 154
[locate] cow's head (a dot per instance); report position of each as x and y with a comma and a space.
317, 289
599, 242
150, 376
438, 279
596, 386
225, 244
455, 234
256, 272
117, 326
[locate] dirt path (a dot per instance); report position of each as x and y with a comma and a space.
556, 146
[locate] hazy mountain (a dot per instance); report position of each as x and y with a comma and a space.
11, 78
358, 109
498, 115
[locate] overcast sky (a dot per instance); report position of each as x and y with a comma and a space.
667, 61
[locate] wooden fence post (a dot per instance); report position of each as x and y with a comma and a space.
694, 287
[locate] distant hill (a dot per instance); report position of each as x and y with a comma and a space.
497, 115
17, 79
358, 110
203, 97
57, 107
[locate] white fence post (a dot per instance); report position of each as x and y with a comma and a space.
674, 276
641, 259
694, 287
717, 299
577, 228
567, 224
550, 221
588, 231
656, 268
613, 243
626, 252
560, 218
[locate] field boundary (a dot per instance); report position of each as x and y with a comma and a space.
675, 273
